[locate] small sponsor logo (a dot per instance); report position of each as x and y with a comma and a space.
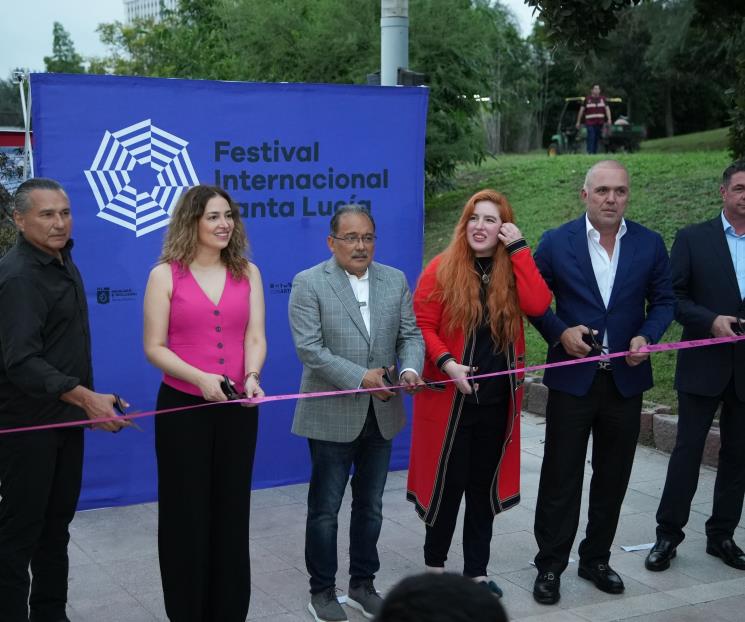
103, 295
106, 295
280, 287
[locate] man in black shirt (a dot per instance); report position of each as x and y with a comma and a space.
45, 378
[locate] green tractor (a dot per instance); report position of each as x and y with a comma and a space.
620, 136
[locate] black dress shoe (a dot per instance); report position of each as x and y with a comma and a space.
728, 551
660, 555
603, 576
546, 588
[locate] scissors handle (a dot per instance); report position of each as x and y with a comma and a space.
119, 406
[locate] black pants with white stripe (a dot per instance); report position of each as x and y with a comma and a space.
470, 470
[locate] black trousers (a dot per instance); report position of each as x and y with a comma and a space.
40, 475
205, 460
473, 461
695, 415
614, 423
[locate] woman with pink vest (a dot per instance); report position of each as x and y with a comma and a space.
204, 323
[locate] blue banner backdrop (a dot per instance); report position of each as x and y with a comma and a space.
125, 148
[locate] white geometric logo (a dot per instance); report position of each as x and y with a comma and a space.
138, 175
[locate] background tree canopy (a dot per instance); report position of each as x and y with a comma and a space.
679, 65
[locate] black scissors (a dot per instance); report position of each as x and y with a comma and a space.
228, 388
738, 327
121, 409
591, 340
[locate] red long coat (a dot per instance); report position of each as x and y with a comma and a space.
437, 411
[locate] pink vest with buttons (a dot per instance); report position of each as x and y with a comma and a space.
210, 337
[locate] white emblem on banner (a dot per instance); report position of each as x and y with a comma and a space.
138, 175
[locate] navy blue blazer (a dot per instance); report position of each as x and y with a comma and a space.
705, 285
641, 302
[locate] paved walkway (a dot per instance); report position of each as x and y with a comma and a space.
114, 573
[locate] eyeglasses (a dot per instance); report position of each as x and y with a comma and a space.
353, 240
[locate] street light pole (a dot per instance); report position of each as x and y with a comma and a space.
394, 40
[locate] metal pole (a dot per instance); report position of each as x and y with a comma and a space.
28, 155
394, 39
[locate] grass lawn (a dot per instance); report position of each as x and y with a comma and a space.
712, 140
668, 191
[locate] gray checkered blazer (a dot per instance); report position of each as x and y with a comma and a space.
333, 344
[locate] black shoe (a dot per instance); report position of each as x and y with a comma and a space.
603, 576
660, 555
728, 551
546, 588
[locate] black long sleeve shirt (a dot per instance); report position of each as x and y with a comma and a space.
44, 336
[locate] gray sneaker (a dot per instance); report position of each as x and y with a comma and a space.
324, 607
365, 598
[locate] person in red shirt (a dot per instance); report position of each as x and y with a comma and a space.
596, 112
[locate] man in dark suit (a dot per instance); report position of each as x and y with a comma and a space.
611, 281
708, 268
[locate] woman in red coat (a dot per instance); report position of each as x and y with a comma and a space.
469, 304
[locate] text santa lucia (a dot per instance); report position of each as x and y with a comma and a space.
275, 152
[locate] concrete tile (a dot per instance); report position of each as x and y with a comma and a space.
153, 602
270, 497
679, 614
262, 605
555, 615
693, 560
76, 555
91, 581
137, 576
114, 570
730, 609
710, 591
289, 588
510, 552
264, 561
115, 608
632, 565
628, 607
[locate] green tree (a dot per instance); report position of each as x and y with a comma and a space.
64, 58
333, 41
10, 104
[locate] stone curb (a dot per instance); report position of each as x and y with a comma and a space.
658, 427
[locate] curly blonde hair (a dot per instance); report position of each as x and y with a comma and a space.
180, 243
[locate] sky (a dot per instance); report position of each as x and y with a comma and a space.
26, 28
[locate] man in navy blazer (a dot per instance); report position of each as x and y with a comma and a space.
708, 268
611, 282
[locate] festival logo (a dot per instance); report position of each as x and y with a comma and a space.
138, 175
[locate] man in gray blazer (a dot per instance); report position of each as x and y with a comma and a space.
351, 320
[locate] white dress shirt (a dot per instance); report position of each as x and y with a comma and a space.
361, 290
604, 266
736, 245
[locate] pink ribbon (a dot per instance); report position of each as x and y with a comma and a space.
658, 347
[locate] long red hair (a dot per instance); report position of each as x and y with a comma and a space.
459, 283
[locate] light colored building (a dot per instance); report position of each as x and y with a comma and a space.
145, 9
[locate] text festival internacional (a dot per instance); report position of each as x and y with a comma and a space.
276, 153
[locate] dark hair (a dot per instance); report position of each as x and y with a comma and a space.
22, 196
352, 208
180, 243
738, 166
440, 598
